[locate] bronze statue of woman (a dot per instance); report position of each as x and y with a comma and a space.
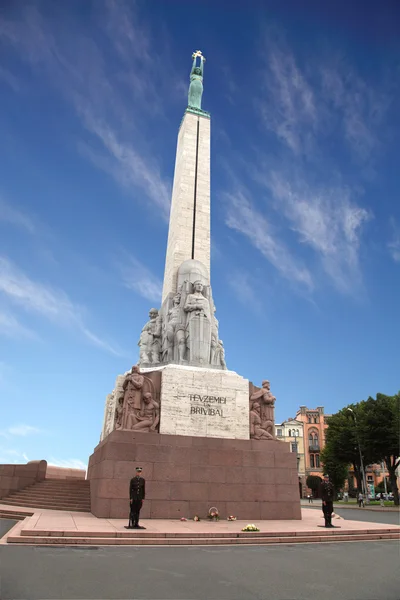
196, 81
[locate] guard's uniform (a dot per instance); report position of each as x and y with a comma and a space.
136, 495
327, 494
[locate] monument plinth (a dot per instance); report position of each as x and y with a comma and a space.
204, 435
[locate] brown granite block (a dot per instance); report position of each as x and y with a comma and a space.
120, 508
286, 492
113, 488
182, 441
188, 491
100, 507
158, 490
226, 492
266, 476
207, 442
284, 476
198, 456
199, 508
117, 451
276, 510
105, 469
206, 474
167, 509
270, 446
225, 457
250, 511
252, 458
125, 469
286, 461
167, 472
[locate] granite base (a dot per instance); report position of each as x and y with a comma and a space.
186, 476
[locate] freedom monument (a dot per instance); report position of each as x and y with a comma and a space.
203, 434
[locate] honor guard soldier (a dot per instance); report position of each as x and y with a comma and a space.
136, 496
327, 494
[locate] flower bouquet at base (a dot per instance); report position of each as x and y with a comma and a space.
250, 527
196, 518
213, 514
231, 518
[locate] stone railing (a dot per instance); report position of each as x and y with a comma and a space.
17, 477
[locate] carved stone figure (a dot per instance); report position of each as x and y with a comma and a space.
119, 412
219, 355
257, 431
149, 417
198, 327
175, 331
109, 416
132, 387
150, 339
196, 81
266, 401
214, 339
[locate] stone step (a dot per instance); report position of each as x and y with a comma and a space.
49, 505
138, 534
194, 541
65, 481
37, 494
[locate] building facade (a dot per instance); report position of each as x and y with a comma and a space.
292, 431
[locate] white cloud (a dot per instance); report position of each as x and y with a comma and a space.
322, 98
394, 244
108, 85
10, 214
244, 289
70, 463
243, 217
140, 279
45, 300
288, 105
11, 327
325, 218
22, 430
12, 456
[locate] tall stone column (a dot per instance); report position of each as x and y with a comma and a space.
189, 224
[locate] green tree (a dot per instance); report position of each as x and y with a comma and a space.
337, 471
344, 437
381, 434
313, 482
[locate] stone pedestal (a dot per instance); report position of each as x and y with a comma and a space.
187, 475
203, 402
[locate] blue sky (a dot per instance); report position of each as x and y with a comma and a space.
305, 201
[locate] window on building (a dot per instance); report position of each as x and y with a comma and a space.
370, 478
279, 432
309, 419
317, 460
290, 432
312, 463
294, 447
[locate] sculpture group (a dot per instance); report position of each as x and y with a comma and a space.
132, 406
185, 330
262, 420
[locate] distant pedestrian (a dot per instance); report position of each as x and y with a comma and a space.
346, 496
361, 500
310, 499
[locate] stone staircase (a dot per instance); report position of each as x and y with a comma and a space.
130, 538
53, 494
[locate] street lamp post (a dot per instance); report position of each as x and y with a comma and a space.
364, 483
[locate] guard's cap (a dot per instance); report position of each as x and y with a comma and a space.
139, 469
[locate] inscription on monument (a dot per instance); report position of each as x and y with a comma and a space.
205, 407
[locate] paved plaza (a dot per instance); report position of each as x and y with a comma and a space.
342, 571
